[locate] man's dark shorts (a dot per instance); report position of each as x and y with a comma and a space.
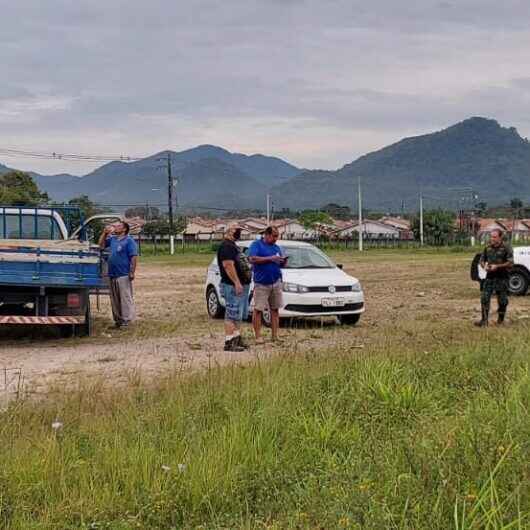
236, 307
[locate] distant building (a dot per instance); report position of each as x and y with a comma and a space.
515, 228
397, 222
369, 230
198, 229
292, 229
403, 225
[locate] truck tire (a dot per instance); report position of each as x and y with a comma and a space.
518, 282
67, 331
85, 330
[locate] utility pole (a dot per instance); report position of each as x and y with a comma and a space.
360, 206
421, 219
170, 205
268, 209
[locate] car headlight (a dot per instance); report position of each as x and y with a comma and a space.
294, 288
356, 287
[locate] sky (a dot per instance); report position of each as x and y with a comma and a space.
315, 82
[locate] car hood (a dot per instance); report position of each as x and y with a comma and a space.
318, 277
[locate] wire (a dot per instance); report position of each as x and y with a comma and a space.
153, 205
19, 153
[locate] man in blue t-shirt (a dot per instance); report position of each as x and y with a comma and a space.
267, 259
122, 269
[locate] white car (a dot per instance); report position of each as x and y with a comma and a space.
313, 286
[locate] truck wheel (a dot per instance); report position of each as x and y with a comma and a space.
67, 331
349, 320
85, 330
518, 282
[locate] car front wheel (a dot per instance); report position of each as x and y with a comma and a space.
349, 320
266, 318
213, 305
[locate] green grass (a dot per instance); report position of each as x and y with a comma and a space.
393, 439
193, 256
187, 259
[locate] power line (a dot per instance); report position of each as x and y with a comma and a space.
154, 204
71, 157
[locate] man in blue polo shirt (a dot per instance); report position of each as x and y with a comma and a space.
122, 269
267, 259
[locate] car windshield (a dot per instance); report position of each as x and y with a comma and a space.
306, 258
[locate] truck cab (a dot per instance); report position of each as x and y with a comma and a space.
32, 224
48, 269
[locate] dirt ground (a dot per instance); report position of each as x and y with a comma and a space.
412, 300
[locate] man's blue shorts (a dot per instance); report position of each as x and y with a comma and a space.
236, 307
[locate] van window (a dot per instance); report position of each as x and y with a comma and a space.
13, 226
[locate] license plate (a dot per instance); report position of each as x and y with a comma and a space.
333, 302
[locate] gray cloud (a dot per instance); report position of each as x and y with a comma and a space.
317, 82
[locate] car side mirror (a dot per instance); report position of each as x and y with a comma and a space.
340, 266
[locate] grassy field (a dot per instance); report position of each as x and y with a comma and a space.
413, 421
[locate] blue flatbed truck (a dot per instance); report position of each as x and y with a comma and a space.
46, 273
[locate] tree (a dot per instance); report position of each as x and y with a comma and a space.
310, 218
481, 208
145, 212
157, 227
336, 211
19, 189
160, 227
438, 226
87, 207
516, 203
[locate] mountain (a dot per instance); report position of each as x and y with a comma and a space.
265, 169
205, 175
57, 186
268, 170
477, 153
492, 161
202, 182
228, 186
4, 169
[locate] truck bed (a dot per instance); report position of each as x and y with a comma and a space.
50, 263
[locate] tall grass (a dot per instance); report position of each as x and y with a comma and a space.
437, 440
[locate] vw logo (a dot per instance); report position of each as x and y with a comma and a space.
331, 289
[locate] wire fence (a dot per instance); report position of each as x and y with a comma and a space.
159, 245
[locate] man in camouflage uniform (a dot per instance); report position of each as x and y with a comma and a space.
497, 259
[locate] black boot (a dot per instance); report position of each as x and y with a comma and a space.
240, 342
233, 345
483, 322
500, 318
